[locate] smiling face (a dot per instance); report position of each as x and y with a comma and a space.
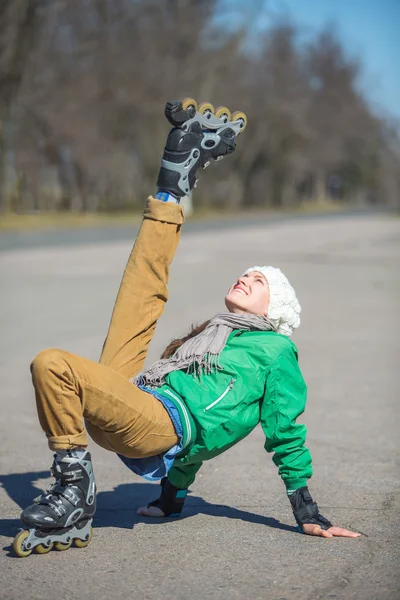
250, 294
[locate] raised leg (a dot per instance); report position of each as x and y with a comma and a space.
143, 290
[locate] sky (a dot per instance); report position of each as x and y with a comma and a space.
369, 31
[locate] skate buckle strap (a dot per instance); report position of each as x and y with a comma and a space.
66, 471
52, 498
54, 503
66, 476
69, 494
70, 476
181, 170
59, 509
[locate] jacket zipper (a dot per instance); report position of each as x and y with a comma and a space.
222, 396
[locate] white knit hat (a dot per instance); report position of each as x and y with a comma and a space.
284, 308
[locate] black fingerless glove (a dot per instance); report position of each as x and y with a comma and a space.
305, 510
171, 500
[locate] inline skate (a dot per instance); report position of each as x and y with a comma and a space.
199, 134
63, 514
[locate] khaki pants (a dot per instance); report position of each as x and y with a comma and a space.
118, 416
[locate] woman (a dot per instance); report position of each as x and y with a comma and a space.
208, 391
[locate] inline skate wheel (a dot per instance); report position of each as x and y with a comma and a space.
19, 544
60, 546
223, 113
41, 549
206, 108
188, 102
82, 544
240, 116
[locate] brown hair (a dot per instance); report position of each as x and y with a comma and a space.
175, 344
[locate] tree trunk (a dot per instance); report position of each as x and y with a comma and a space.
17, 28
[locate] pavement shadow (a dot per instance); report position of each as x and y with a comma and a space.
117, 508
21, 489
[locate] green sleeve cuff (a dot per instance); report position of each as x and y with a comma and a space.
182, 476
294, 484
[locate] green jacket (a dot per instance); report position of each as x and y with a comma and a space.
259, 382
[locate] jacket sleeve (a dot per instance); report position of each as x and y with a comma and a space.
284, 401
183, 475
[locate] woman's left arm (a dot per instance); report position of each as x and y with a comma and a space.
284, 401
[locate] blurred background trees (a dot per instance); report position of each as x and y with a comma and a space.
83, 85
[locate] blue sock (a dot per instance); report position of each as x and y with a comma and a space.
166, 197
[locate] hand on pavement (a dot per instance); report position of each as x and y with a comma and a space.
151, 511
312, 529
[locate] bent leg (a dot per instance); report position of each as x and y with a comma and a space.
143, 290
123, 418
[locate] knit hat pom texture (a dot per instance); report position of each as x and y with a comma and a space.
284, 308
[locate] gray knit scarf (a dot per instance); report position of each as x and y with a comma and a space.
200, 354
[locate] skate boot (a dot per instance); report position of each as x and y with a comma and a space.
200, 134
63, 515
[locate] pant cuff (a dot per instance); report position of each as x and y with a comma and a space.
67, 442
167, 212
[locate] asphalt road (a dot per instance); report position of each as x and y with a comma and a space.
237, 539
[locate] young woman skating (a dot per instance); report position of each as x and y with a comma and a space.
208, 391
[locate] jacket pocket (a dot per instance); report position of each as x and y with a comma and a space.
222, 396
